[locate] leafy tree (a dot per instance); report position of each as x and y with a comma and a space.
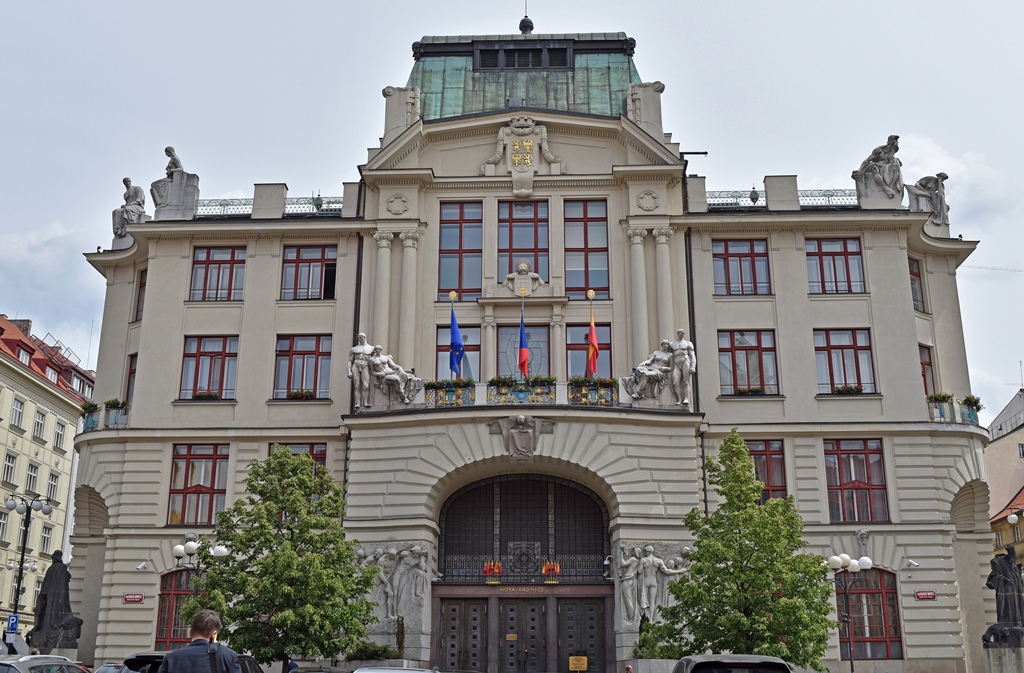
748, 589
290, 582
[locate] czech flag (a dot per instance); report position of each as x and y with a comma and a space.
458, 349
592, 347
524, 351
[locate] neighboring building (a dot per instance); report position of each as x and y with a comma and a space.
1010, 418
1004, 455
1006, 530
230, 331
42, 389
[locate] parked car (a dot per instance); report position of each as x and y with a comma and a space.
39, 663
731, 663
108, 667
149, 662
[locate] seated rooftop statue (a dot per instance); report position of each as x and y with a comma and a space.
175, 195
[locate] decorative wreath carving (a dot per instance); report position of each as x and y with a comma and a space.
397, 204
647, 201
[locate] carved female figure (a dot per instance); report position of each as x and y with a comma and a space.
161, 189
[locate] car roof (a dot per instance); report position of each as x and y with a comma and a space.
687, 663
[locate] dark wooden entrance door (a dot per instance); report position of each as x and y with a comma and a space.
581, 632
523, 633
464, 635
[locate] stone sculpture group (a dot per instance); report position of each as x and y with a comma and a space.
643, 582
403, 580
373, 370
672, 365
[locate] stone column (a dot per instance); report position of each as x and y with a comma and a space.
638, 293
488, 346
407, 305
663, 261
381, 306
559, 368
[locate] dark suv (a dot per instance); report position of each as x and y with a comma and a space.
731, 663
149, 662
40, 663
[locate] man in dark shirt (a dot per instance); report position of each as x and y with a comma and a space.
203, 654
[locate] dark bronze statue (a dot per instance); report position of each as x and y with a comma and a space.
56, 626
1008, 584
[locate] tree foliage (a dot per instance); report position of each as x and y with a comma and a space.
748, 589
291, 582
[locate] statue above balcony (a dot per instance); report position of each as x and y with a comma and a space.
523, 143
133, 210
391, 379
879, 179
175, 196
929, 195
669, 367
523, 278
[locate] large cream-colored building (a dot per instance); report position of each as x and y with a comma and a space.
42, 389
547, 148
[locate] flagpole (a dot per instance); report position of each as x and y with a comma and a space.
586, 369
522, 322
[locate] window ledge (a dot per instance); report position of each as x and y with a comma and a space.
17, 429
285, 400
736, 297
190, 402
36, 439
10, 485
285, 302
836, 295
751, 397
218, 302
833, 396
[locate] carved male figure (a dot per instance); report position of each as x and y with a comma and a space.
650, 567
55, 625
651, 374
933, 189
684, 363
359, 370
885, 169
134, 205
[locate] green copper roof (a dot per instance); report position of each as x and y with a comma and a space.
596, 83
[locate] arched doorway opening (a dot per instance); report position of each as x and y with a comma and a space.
524, 583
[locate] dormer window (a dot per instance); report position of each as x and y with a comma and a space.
24, 356
51, 374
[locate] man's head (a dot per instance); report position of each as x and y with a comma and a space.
169, 151
361, 338
206, 624
680, 333
942, 176
127, 182
57, 556
893, 139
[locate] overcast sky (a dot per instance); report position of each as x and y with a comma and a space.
261, 91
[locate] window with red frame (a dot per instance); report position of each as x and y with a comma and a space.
916, 285
523, 234
834, 266
309, 272
843, 359
129, 388
874, 612
471, 352
576, 350
140, 297
218, 274
855, 474
460, 256
209, 367
172, 631
303, 366
747, 363
926, 369
769, 467
318, 452
741, 267
198, 484
586, 249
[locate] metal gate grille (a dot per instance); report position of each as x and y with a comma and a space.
581, 633
522, 522
464, 627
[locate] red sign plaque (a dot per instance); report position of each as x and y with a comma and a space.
134, 598
924, 595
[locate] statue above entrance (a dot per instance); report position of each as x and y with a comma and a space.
521, 434
523, 142
523, 278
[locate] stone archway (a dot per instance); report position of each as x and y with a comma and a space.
968, 512
89, 550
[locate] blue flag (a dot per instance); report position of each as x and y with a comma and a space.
458, 349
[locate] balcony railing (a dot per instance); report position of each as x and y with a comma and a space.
294, 205
808, 197
523, 569
952, 412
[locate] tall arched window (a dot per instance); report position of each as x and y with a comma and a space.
171, 630
524, 522
874, 609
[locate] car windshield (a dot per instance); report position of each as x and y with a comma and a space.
141, 665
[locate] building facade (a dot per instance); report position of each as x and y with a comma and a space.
42, 390
516, 526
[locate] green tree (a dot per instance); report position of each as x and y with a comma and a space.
290, 583
748, 590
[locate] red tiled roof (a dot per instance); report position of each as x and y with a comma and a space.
1016, 504
42, 356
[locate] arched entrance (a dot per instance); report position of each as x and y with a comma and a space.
524, 585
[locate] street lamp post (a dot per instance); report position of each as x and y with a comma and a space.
187, 558
24, 506
844, 575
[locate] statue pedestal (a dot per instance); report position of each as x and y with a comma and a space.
182, 195
870, 195
122, 242
1005, 660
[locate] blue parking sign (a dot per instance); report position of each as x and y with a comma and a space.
12, 623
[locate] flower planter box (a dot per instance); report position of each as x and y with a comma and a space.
450, 397
520, 393
583, 394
